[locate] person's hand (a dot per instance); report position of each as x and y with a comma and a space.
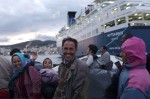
34, 56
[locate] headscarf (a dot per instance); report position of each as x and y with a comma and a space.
135, 51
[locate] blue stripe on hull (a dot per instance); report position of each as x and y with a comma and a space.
112, 39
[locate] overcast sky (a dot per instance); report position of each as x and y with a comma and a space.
24, 20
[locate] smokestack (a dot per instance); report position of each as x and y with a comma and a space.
71, 18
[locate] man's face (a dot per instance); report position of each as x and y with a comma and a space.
69, 50
124, 59
88, 51
102, 50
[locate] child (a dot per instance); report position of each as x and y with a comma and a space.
49, 79
47, 63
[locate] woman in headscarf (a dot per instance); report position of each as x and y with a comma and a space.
25, 81
5, 74
134, 80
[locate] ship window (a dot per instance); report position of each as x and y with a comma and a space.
97, 31
100, 19
110, 24
115, 10
102, 27
94, 32
105, 3
127, 6
136, 16
121, 20
137, 24
146, 16
105, 15
89, 34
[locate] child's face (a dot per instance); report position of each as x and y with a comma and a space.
89, 51
47, 63
16, 61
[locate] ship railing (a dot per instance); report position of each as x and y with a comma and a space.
108, 29
98, 7
92, 13
142, 8
140, 23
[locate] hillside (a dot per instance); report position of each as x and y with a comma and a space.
34, 43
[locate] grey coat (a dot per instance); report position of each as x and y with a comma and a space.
76, 83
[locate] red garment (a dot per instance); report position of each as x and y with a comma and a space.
28, 85
4, 94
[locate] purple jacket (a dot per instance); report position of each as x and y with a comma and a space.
31, 83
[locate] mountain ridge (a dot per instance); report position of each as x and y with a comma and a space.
33, 43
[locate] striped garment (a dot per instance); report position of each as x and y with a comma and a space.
5, 72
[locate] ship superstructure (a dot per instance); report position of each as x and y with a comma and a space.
105, 21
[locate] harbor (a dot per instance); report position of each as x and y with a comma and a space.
102, 52
56, 58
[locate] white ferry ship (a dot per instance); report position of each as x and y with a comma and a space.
105, 21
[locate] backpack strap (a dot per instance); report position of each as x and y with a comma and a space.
98, 63
93, 64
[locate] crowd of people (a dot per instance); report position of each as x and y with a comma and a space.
24, 78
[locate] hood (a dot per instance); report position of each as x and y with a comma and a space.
135, 51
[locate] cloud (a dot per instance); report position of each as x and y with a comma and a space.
4, 39
44, 37
26, 16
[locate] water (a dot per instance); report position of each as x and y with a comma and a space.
54, 57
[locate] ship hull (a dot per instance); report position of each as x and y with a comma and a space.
112, 39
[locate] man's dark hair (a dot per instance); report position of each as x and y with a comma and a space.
104, 47
70, 39
46, 59
93, 48
14, 50
27, 55
125, 37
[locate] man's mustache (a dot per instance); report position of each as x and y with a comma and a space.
68, 54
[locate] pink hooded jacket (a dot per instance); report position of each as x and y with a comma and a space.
134, 74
